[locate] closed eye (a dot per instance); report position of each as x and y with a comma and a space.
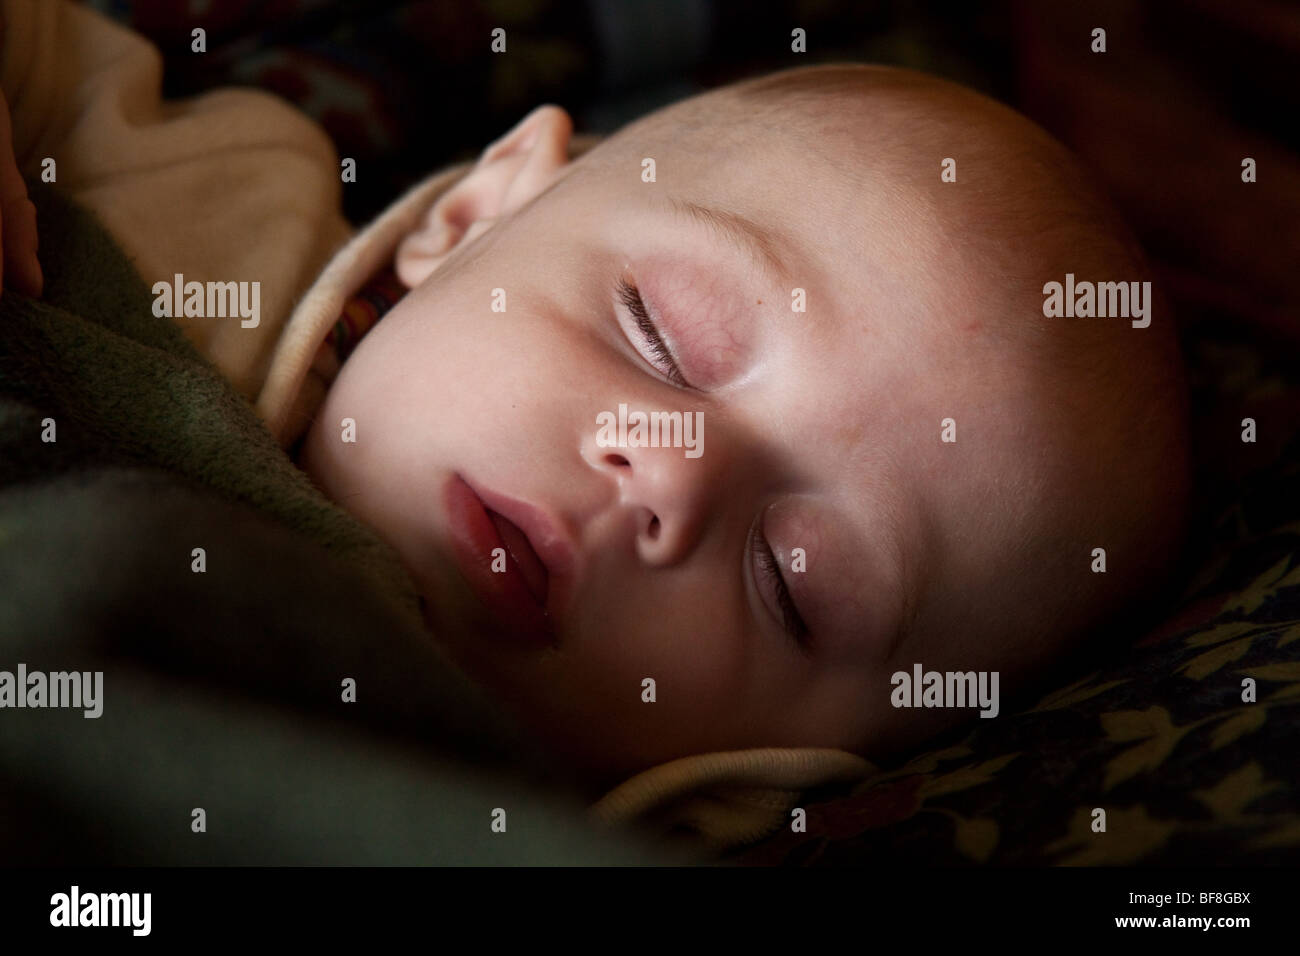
791, 620
660, 356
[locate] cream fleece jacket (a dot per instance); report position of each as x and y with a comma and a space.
236, 185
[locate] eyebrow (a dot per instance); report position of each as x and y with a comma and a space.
737, 230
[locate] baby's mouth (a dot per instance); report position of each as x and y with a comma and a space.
525, 557
502, 564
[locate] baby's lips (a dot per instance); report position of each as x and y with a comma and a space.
548, 539
475, 534
525, 558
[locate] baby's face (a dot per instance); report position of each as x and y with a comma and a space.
822, 538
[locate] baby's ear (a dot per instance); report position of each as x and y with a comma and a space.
511, 171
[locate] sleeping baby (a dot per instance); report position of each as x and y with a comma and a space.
721, 433
831, 283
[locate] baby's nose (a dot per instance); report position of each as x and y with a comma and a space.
663, 471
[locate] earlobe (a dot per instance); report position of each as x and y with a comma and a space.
509, 173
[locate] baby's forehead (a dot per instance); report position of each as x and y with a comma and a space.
890, 242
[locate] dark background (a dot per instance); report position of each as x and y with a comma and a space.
406, 86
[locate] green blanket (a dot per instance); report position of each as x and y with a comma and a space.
222, 690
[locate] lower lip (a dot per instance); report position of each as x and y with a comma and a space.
504, 593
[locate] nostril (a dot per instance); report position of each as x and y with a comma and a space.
617, 460
653, 530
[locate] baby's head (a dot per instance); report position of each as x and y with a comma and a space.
833, 312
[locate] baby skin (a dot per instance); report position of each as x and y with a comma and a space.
901, 460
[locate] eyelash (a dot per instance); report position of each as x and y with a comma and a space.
766, 560
631, 298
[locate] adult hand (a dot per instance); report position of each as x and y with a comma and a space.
19, 267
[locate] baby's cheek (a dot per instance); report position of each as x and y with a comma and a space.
683, 628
